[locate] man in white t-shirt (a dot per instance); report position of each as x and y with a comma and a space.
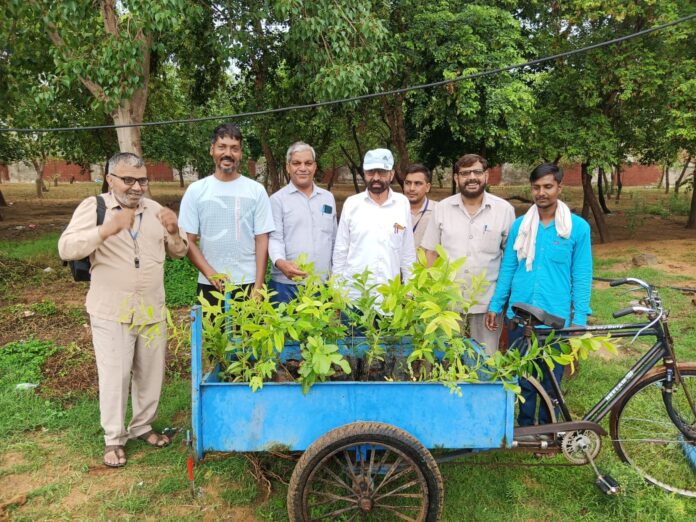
375, 230
227, 218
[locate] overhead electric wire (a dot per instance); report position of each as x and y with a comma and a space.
361, 97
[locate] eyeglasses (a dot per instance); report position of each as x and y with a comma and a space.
475, 172
132, 181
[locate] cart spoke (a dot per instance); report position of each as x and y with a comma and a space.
389, 473
334, 513
349, 464
372, 461
332, 497
398, 514
338, 479
400, 488
394, 477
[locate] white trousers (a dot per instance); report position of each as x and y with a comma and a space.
120, 352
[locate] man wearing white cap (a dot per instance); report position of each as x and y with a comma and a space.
375, 230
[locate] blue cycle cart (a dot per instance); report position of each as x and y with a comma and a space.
365, 444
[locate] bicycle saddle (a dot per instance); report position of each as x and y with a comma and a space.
526, 310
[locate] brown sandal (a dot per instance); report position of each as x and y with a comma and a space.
161, 441
119, 452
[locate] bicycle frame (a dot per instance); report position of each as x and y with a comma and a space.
660, 350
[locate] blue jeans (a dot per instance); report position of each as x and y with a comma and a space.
527, 411
286, 292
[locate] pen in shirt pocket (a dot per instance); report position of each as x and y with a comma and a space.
485, 228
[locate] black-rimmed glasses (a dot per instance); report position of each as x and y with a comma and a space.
132, 181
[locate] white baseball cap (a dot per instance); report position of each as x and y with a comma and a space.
378, 159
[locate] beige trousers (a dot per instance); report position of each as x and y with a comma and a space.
479, 332
120, 351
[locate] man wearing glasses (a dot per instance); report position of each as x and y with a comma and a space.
375, 230
125, 301
475, 225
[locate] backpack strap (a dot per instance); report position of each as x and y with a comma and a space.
101, 210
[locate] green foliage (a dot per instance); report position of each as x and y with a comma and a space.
22, 361
45, 246
180, 282
45, 307
416, 322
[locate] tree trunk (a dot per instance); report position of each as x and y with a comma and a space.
590, 200
394, 112
271, 167
601, 181
612, 181
691, 223
680, 179
128, 137
333, 176
3, 203
181, 178
39, 168
619, 182
666, 167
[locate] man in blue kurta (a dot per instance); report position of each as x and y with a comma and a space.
547, 264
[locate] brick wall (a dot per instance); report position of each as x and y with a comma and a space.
159, 171
65, 171
4, 172
495, 174
636, 175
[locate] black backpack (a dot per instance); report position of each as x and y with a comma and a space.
80, 268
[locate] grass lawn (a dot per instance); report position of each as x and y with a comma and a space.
50, 456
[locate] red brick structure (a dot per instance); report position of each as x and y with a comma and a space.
65, 171
636, 174
632, 175
4, 173
495, 173
69, 171
159, 171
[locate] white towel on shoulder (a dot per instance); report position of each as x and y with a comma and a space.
525, 243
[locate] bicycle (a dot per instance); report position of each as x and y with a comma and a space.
652, 409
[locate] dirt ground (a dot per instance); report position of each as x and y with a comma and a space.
27, 217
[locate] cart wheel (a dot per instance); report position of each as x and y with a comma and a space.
366, 471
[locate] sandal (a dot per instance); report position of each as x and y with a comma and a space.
119, 453
160, 439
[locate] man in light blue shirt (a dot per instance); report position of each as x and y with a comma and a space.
547, 264
227, 218
305, 223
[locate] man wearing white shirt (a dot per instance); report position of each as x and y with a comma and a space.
375, 230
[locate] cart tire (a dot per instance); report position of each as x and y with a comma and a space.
366, 471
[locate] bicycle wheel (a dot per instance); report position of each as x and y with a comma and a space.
366, 471
645, 435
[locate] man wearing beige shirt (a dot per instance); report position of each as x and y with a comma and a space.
472, 224
125, 301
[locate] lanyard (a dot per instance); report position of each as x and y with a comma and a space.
427, 202
134, 237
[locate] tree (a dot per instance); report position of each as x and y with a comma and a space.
107, 51
486, 115
597, 108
